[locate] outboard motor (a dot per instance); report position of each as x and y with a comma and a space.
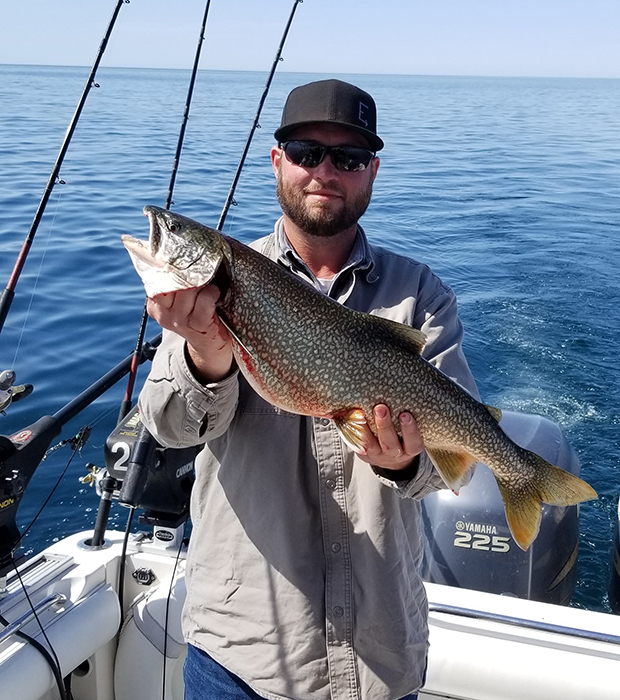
614, 578
468, 543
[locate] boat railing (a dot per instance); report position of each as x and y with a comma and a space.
48, 602
524, 623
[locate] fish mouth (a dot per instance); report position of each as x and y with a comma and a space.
179, 254
144, 253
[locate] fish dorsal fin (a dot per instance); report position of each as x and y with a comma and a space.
410, 335
351, 428
452, 465
495, 412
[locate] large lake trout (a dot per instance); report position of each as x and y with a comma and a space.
307, 354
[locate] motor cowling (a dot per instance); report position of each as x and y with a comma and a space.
468, 543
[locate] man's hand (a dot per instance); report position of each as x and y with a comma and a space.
191, 313
385, 449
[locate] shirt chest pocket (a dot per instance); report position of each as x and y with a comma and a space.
250, 403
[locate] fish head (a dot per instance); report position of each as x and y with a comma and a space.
180, 253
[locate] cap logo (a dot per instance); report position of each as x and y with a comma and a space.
360, 114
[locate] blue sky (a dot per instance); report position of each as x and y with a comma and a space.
566, 38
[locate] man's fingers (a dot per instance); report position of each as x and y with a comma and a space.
201, 316
412, 440
386, 448
187, 310
386, 433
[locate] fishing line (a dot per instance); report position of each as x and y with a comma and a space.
48, 657
229, 201
77, 443
36, 280
230, 197
174, 570
6, 298
121, 570
55, 668
227, 204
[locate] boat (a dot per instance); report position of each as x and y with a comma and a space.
110, 602
97, 615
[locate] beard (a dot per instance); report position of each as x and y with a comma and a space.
321, 219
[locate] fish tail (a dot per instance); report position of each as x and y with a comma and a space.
551, 485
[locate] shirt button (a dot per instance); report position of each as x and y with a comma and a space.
338, 611
330, 484
325, 422
336, 547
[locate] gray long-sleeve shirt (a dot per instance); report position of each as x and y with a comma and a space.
302, 574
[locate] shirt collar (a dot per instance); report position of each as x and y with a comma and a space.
360, 259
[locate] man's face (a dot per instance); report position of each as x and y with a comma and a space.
323, 201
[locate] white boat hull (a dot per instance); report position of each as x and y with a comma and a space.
469, 659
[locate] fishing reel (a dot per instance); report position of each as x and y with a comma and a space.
11, 392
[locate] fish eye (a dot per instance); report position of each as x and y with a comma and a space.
173, 228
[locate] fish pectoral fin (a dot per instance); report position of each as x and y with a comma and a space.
495, 412
234, 335
351, 428
452, 465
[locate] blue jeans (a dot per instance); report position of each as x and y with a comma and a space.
205, 679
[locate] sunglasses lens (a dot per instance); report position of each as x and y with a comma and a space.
346, 158
350, 158
304, 154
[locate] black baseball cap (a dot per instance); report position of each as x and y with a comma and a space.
330, 101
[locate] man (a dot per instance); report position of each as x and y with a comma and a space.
302, 575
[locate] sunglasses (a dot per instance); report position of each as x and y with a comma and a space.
308, 154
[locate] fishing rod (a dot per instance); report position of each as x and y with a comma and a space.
131, 381
127, 401
6, 298
255, 124
188, 102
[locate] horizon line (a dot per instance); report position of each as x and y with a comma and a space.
317, 72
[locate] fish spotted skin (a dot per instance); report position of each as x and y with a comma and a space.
308, 354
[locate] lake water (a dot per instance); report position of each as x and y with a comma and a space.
508, 188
